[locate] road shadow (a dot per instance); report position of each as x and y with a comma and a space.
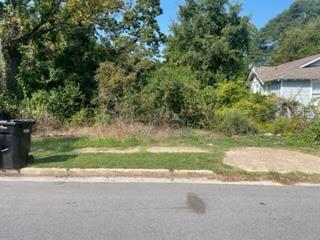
55, 159
195, 203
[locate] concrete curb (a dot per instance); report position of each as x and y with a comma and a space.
107, 173
77, 175
44, 172
157, 173
193, 174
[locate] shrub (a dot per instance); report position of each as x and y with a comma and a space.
82, 118
289, 126
259, 108
8, 107
230, 92
237, 123
112, 84
62, 103
208, 107
65, 101
101, 117
312, 134
289, 108
36, 106
172, 95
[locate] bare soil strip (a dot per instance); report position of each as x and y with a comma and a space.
176, 150
108, 150
272, 160
138, 149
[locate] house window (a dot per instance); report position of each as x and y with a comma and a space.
316, 92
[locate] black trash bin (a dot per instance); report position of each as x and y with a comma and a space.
15, 142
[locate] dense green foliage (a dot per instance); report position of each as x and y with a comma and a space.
297, 43
312, 134
173, 94
211, 38
237, 123
75, 63
296, 16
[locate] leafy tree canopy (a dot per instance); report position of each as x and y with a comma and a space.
210, 37
297, 43
297, 15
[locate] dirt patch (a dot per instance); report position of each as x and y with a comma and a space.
138, 149
108, 150
176, 150
272, 160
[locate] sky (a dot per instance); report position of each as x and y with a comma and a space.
261, 11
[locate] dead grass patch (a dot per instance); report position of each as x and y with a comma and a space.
118, 130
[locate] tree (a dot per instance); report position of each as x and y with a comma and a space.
55, 60
210, 37
26, 21
112, 83
134, 46
297, 43
296, 16
140, 23
173, 93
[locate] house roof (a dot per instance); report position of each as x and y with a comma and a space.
295, 70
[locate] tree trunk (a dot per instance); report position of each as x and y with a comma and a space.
13, 63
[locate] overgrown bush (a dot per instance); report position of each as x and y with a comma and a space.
172, 95
230, 92
258, 108
62, 103
101, 117
208, 107
36, 106
237, 123
8, 106
289, 126
65, 101
290, 108
312, 134
113, 82
175, 96
85, 117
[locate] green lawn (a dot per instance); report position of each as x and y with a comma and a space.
58, 153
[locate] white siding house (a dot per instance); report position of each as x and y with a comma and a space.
298, 80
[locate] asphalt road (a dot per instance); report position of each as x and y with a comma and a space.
144, 211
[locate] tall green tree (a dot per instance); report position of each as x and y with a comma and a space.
211, 37
297, 15
134, 46
24, 22
297, 43
140, 23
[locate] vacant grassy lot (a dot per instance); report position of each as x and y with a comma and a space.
59, 152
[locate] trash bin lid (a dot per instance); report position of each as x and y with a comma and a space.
14, 123
31, 121
8, 123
